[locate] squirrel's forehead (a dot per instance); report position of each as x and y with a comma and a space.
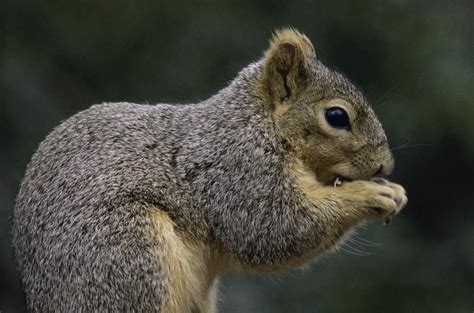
333, 84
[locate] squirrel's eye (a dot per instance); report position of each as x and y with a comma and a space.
337, 118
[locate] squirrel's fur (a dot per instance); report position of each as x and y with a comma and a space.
128, 207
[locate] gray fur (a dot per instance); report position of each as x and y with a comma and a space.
218, 168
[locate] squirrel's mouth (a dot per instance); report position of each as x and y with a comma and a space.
333, 177
340, 179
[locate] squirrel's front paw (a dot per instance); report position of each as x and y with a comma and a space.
378, 197
399, 196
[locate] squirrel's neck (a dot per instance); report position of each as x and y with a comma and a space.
229, 141
234, 118
240, 93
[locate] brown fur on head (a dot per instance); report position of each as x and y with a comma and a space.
300, 90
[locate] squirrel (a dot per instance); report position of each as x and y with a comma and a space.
129, 207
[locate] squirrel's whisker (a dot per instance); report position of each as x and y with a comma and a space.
365, 242
382, 99
351, 250
405, 146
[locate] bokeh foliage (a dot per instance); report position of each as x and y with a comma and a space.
413, 59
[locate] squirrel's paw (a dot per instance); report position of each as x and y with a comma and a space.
379, 198
400, 196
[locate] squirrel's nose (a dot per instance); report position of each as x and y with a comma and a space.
382, 171
386, 166
379, 171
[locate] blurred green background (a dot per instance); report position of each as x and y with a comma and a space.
413, 59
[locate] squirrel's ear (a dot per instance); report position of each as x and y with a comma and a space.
285, 70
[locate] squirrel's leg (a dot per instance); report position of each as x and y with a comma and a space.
133, 260
108, 264
191, 267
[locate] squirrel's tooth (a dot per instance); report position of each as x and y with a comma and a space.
337, 182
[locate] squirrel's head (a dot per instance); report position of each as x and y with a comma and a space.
324, 119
